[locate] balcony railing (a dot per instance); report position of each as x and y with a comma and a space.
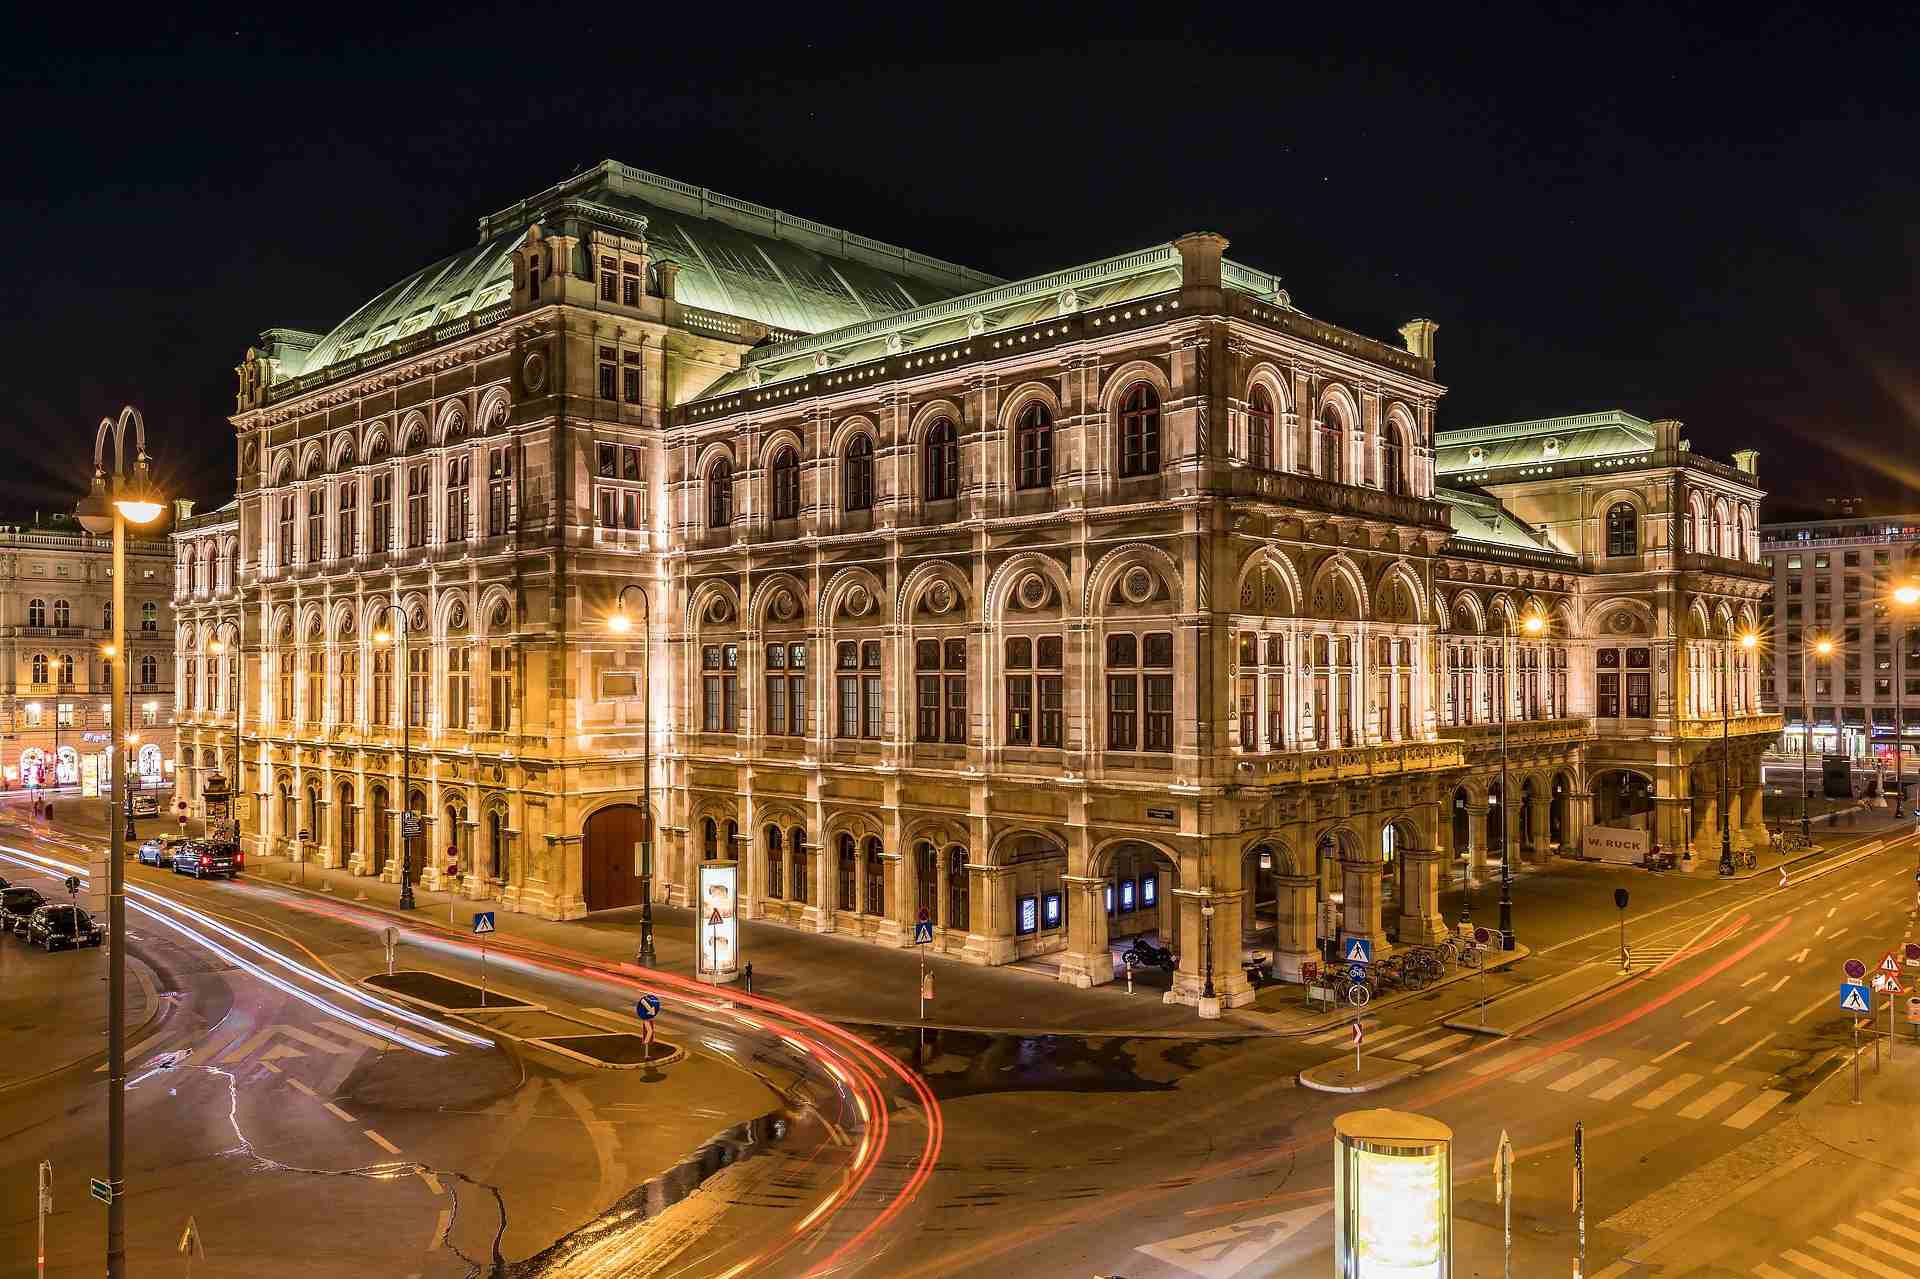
1737, 726
1521, 732
1296, 768
1341, 499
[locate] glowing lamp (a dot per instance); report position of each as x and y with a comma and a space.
1908, 595
1749, 640
138, 510
619, 624
1392, 1196
1534, 625
1823, 647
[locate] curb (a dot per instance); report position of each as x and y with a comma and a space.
1399, 1073
1505, 959
1496, 1032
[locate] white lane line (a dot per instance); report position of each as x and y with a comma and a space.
1741, 1011
1699, 1008
379, 1141
1627, 1081
1777, 985
1749, 981
1685, 1043
303, 1088
1894, 1205
1818, 931
1427, 1050
1809, 1010
1589, 1071
1817, 1266
1534, 1071
1667, 1092
433, 1182
1836, 934
1751, 1113
1744, 1053
1850, 896
1706, 1103
338, 1113
1766, 1271
440, 1229
1907, 1255
270, 1066
1801, 958
1830, 912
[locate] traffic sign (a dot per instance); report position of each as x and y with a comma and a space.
100, 1190
923, 934
482, 921
647, 1007
304, 836
1483, 935
1854, 969
1913, 1010
1130, 959
1887, 984
1357, 950
1889, 963
1357, 972
1913, 954
409, 824
714, 919
1855, 998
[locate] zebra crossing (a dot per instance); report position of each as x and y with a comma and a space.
1882, 1240
1651, 1086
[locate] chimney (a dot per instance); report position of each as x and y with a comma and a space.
182, 509
1200, 268
1666, 433
669, 272
1748, 460
1418, 335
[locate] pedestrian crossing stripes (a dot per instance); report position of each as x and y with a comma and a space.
1881, 1240
1649, 1085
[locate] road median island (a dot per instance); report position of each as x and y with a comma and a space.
1342, 1075
1530, 1005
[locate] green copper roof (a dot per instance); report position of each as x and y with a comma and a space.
735, 257
1550, 439
1479, 518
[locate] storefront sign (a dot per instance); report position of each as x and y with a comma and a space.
1163, 814
1618, 844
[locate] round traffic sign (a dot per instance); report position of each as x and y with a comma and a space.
1483, 935
647, 1007
1130, 959
924, 917
1855, 969
1913, 950
1358, 972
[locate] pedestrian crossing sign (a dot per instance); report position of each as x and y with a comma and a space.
483, 921
1357, 950
1855, 998
923, 932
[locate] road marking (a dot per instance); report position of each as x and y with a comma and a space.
1328, 1037
1705, 1104
1777, 985
1554, 1062
338, 1113
1836, 934
1700, 1009
1854, 1232
379, 1141
1743, 1009
1629, 1080
1582, 1075
1749, 981
1801, 958
303, 1088
1849, 897
433, 1182
1753, 1111
291, 1032
269, 1065
1809, 1010
1891, 1227
1427, 1050
1894, 1205
1820, 1268
440, 1229
1501, 1062
1667, 1092
1744, 1053
1818, 931
1766, 1271
1830, 912
1685, 1043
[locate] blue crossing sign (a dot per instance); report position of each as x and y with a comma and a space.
647, 1007
1855, 998
482, 921
922, 933
1357, 950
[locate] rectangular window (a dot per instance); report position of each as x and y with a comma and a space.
419, 699
607, 462
316, 684
349, 686
285, 704
630, 384
286, 531
499, 688
417, 504
346, 529
66, 715
606, 372
874, 706
1639, 695
609, 277
499, 490
382, 512
1122, 712
1159, 713
459, 467
609, 507
630, 284
629, 509
383, 687
1020, 710
630, 465
928, 708
1053, 710
849, 689
316, 524
1607, 695
457, 659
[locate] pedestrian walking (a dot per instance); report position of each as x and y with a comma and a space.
746, 975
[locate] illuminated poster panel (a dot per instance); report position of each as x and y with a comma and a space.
718, 957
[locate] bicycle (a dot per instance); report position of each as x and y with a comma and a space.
1746, 859
1792, 842
1347, 990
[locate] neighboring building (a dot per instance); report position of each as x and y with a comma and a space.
1117, 599
56, 601
1834, 579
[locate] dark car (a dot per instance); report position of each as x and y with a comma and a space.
17, 906
159, 850
203, 857
63, 927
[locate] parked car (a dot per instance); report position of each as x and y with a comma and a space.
17, 906
159, 850
63, 927
203, 857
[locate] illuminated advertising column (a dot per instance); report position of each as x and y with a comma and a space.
1392, 1196
717, 929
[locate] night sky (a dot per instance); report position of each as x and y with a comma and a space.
1684, 217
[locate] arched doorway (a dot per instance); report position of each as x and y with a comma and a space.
343, 818
1623, 798
1260, 922
1496, 823
1524, 818
1557, 808
1140, 902
497, 844
382, 828
417, 846
608, 878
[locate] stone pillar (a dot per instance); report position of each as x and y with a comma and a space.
822, 886
1477, 836
1360, 886
1753, 814
1087, 960
1540, 816
1294, 940
1420, 921
1230, 986
1579, 817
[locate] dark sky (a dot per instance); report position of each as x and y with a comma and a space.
1705, 217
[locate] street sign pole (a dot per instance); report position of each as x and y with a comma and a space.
42, 1206
1503, 1192
1580, 1193
1856, 1061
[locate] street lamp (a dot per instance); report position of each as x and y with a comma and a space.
1747, 642
383, 637
116, 500
1532, 624
1906, 595
619, 623
216, 648
1824, 647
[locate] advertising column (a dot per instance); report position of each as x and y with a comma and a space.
717, 957
1392, 1196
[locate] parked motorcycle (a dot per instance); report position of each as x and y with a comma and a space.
1148, 955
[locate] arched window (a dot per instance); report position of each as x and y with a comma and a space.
776, 862
876, 877
39, 668
1033, 440
149, 670
343, 816
313, 812
1140, 431
1393, 460
720, 494
710, 839
66, 668
288, 818
106, 616
1623, 530
1329, 441
943, 462
497, 844
849, 865
926, 880
62, 613
1260, 428
859, 474
797, 849
36, 612
786, 485
959, 912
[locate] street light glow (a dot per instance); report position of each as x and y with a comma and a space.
138, 510
1823, 647
216, 648
383, 637
1909, 595
1749, 640
109, 651
1534, 624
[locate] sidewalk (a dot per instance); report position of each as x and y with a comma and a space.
54, 1016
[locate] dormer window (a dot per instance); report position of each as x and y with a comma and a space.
630, 283
1550, 448
609, 278
1476, 455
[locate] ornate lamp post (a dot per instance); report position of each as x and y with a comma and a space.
1824, 647
1906, 595
1747, 643
1532, 624
117, 500
399, 637
620, 624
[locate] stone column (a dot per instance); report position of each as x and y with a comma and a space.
1540, 815
990, 940
1086, 961
1360, 886
1753, 814
1477, 836
1579, 817
1295, 941
1420, 921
